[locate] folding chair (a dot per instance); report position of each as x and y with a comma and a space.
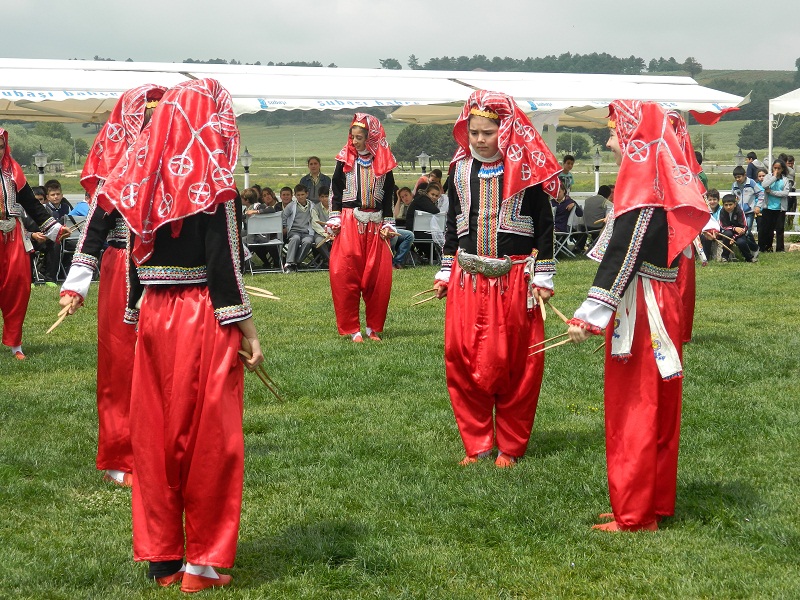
69, 243
270, 226
561, 239
433, 225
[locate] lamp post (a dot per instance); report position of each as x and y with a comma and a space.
570, 137
596, 161
40, 159
424, 161
246, 159
739, 158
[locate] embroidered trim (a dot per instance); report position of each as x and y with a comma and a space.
154, 275
231, 314
593, 329
490, 170
545, 265
659, 273
87, 260
626, 270
488, 216
605, 297
131, 316
235, 245
120, 232
511, 219
447, 261
462, 184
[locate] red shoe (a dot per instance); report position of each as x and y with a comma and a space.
505, 461
170, 579
614, 526
19, 355
197, 583
374, 337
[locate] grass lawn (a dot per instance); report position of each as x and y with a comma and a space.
352, 488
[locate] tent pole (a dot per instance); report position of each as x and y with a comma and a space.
769, 137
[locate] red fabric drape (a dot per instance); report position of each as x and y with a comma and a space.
9, 165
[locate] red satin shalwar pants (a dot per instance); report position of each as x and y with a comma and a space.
643, 415
116, 342
360, 265
493, 383
15, 285
186, 430
687, 285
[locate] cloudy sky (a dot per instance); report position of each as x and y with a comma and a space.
356, 33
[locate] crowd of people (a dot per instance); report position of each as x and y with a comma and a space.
164, 213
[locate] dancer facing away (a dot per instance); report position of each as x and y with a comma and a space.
362, 190
176, 191
15, 266
659, 210
116, 340
499, 248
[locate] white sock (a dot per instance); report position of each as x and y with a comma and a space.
356, 334
202, 570
118, 476
15, 349
369, 331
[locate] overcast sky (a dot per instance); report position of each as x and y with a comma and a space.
356, 33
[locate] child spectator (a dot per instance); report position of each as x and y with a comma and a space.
772, 206
707, 238
320, 212
733, 228
297, 227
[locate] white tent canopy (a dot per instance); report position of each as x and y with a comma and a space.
788, 104
85, 91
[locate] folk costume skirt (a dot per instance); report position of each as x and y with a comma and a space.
186, 430
687, 286
360, 266
493, 383
15, 284
116, 342
642, 415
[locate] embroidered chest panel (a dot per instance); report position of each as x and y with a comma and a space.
495, 215
9, 198
362, 186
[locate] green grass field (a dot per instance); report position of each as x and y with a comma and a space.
352, 488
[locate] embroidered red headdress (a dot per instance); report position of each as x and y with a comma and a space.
383, 160
119, 133
9, 166
180, 165
658, 169
527, 161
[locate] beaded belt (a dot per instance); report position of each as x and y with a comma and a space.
7, 225
365, 217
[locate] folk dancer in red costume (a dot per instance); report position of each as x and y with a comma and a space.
176, 191
362, 189
497, 267
116, 340
15, 266
658, 211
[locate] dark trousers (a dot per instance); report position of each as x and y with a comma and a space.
771, 227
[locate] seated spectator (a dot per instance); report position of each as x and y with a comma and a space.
315, 180
707, 237
81, 208
286, 197
425, 201
566, 176
58, 207
563, 205
320, 212
435, 176
297, 231
733, 228
595, 209
401, 244
270, 200
269, 255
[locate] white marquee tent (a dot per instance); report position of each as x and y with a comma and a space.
85, 91
788, 104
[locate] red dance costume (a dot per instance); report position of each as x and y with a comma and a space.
15, 266
179, 199
116, 340
687, 285
635, 286
362, 188
499, 247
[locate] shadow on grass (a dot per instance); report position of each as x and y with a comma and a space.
301, 547
715, 502
554, 441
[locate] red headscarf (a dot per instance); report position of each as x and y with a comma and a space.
118, 134
527, 161
383, 160
11, 167
181, 164
658, 169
